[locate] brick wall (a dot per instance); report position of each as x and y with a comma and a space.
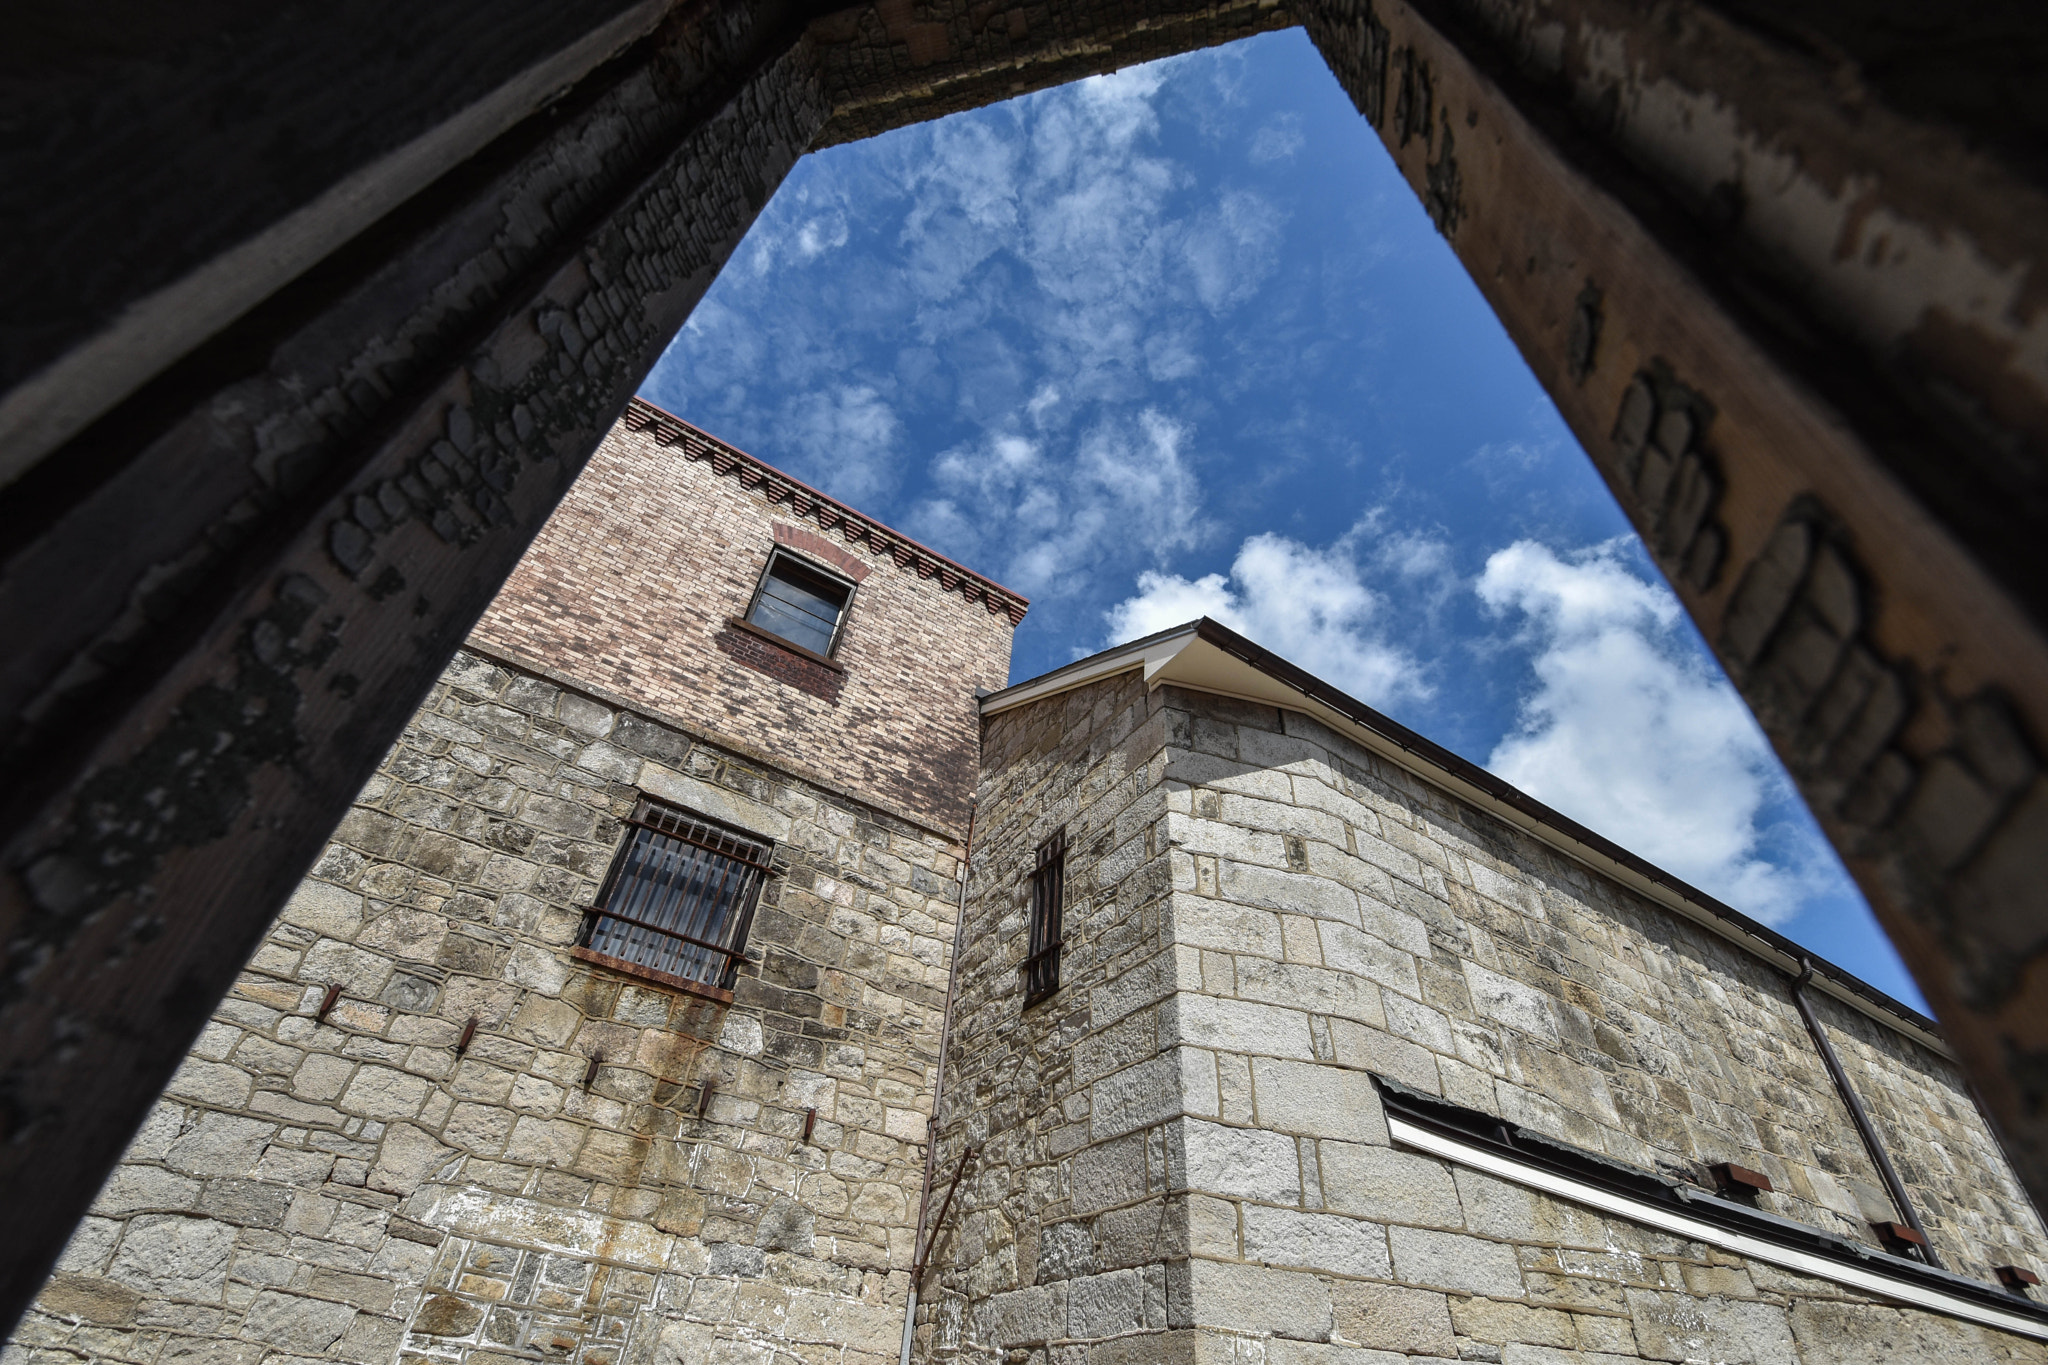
353, 1191
1182, 1150
631, 586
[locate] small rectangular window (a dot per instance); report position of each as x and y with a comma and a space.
679, 898
1048, 892
801, 603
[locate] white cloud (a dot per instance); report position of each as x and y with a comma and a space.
1037, 269
820, 235
845, 439
1059, 214
1277, 140
1631, 733
1312, 607
1421, 560
1057, 522
1230, 249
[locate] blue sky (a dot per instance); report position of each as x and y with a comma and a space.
1180, 341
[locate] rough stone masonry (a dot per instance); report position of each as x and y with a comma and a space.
607, 1166
274, 430
485, 1148
1182, 1155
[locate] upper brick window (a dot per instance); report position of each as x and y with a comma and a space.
678, 900
1048, 894
800, 602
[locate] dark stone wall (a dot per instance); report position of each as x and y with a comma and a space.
225, 595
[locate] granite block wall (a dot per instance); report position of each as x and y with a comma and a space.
1184, 1157
1069, 1221
353, 1190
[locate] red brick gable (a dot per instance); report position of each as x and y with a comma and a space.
638, 588
831, 515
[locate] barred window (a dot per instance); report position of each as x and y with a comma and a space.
801, 603
1048, 891
678, 900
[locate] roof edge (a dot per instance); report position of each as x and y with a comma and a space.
1434, 763
830, 513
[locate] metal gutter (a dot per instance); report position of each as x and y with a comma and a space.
1864, 1128
920, 1246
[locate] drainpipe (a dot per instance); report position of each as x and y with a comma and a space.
1863, 1125
919, 1251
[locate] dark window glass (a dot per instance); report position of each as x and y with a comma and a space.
679, 897
800, 605
1048, 890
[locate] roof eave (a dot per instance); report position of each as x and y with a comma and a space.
1206, 656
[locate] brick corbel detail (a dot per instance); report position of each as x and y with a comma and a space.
811, 505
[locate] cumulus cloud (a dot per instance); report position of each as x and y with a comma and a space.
1311, 606
1629, 731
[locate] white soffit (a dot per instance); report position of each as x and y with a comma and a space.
1153, 653
1869, 1280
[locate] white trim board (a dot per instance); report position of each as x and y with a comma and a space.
1869, 1281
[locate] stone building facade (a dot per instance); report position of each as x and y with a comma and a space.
485, 1148
1274, 906
1351, 1054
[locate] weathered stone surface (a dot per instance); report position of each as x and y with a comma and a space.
174, 1258
1410, 1321
1689, 1327
1107, 1305
1315, 1241
1508, 980
1388, 1185
1251, 1298
105, 1302
444, 1315
1317, 1101
1243, 1162
354, 1185
1443, 1260
1179, 1153
299, 1325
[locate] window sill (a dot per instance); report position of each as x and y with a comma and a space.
740, 623
625, 968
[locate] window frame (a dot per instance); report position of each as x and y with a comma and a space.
664, 820
1045, 933
808, 565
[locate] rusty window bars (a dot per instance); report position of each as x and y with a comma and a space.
1048, 894
679, 897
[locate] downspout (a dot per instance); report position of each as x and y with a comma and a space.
1862, 1120
918, 1250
